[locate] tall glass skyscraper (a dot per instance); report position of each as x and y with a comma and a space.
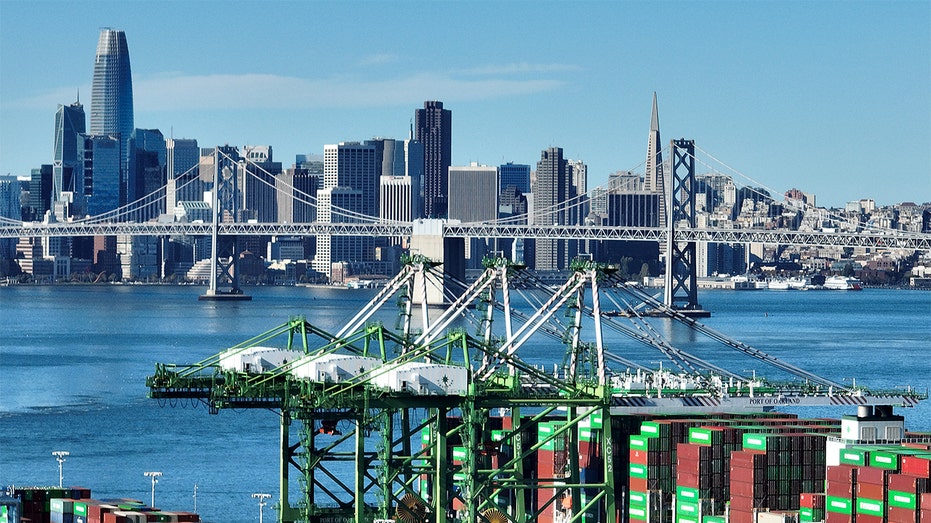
434, 127
69, 126
112, 96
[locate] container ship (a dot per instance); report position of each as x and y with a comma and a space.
75, 505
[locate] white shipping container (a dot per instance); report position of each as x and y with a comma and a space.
424, 379
334, 368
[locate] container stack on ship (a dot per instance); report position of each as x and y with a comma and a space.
75, 505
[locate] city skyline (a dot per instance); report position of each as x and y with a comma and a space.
807, 102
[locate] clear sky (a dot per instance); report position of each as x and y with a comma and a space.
831, 97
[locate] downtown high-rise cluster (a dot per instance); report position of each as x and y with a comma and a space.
111, 165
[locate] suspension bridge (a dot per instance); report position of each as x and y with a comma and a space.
679, 235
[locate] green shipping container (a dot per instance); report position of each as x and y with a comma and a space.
838, 504
859, 457
884, 460
650, 429
687, 494
700, 436
639, 443
637, 513
687, 508
687, 519
638, 499
638, 471
713, 519
754, 441
897, 498
871, 507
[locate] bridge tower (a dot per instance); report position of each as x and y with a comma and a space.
681, 260
224, 250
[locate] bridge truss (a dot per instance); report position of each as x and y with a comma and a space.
442, 425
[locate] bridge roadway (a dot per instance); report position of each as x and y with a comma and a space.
874, 239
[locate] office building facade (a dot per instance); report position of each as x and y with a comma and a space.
70, 126
553, 189
433, 126
112, 96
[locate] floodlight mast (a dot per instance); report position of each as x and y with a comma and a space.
154, 476
261, 496
60, 456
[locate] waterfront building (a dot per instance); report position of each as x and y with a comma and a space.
653, 180
553, 189
138, 257
433, 125
101, 174
473, 191
183, 182
112, 96
66, 165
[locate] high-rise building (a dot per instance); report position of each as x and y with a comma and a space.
553, 189
351, 171
434, 129
260, 173
69, 128
476, 200
101, 166
147, 168
400, 179
515, 175
112, 96
182, 173
40, 191
10, 207
653, 180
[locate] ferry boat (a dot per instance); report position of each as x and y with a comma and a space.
843, 283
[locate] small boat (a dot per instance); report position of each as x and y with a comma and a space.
778, 285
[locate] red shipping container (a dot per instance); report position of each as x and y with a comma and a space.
902, 515
924, 502
844, 473
638, 484
873, 475
841, 489
738, 516
916, 466
906, 483
811, 500
870, 491
866, 518
925, 516
837, 517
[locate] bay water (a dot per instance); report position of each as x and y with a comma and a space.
73, 363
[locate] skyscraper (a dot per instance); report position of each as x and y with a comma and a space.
147, 167
112, 96
553, 188
653, 181
476, 190
183, 156
66, 166
434, 127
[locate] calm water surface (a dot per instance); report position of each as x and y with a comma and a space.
73, 362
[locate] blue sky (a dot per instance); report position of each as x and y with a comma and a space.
831, 97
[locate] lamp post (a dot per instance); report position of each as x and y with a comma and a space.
60, 456
154, 476
261, 496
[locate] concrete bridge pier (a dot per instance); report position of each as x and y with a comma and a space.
427, 240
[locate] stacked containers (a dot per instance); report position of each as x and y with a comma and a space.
552, 457
55, 505
907, 496
791, 464
651, 477
811, 507
703, 466
591, 465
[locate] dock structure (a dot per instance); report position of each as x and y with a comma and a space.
443, 425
